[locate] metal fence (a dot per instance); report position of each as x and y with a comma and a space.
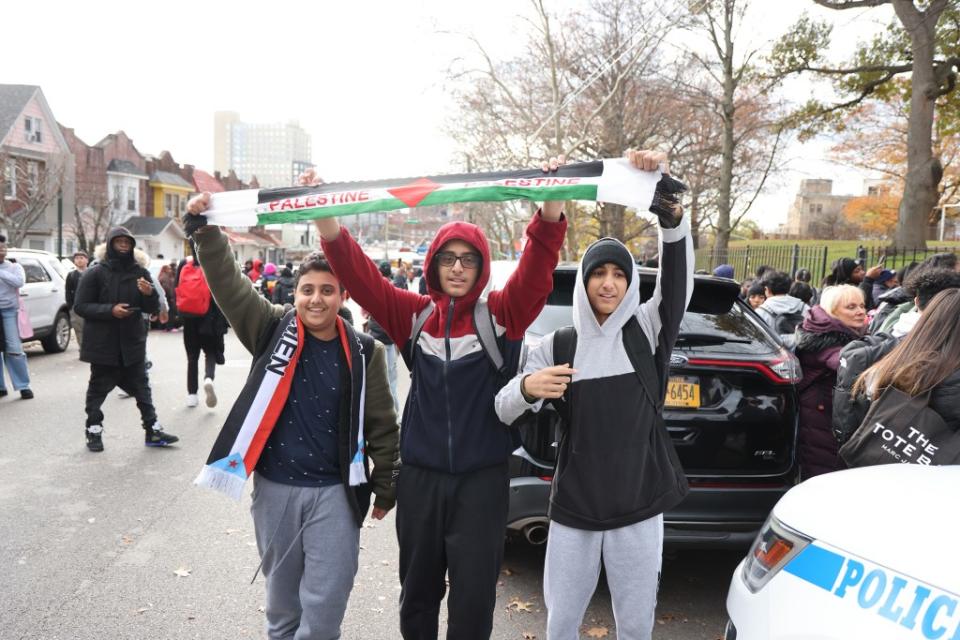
816, 258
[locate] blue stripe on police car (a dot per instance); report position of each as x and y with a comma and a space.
902, 600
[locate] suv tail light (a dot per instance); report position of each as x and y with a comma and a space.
784, 368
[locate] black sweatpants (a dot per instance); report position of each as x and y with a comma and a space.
450, 523
132, 379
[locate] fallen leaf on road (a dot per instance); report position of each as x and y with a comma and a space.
527, 635
519, 605
126, 540
181, 572
261, 609
598, 632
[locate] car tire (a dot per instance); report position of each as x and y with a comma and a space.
59, 339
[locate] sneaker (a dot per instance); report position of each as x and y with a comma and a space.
155, 436
95, 437
211, 394
122, 394
26, 394
192, 400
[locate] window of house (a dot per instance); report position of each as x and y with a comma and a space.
183, 205
131, 198
168, 204
873, 192
33, 176
32, 129
819, 208
812, 209
10, 179
117, 195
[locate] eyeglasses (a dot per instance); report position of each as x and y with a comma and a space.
467, 260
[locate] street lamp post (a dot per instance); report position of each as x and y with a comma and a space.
59, 223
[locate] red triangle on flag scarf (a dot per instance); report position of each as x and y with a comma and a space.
413, 193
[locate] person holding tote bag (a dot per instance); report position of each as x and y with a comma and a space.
915, 414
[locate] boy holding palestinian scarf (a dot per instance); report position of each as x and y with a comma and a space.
316, 408
617, 471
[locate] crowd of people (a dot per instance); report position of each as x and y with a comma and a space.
855, 337
317, 424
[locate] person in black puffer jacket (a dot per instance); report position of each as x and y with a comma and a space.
928, 358
286, 285
838, 320
858, 356
111, 297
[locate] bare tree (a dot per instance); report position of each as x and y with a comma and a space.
29, 187
751, 131
585, 87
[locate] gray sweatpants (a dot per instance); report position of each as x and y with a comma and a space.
632, 557
310, 573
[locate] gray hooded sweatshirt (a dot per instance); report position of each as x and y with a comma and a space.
787, 307
616, 465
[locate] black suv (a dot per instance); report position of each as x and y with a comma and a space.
731, 410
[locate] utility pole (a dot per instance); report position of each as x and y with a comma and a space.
60, 223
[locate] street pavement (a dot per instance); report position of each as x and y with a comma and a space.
120, 544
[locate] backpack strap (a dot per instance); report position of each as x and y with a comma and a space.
638, 348
564, 351
407, 352
487, 335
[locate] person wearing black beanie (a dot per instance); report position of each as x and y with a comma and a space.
617, 471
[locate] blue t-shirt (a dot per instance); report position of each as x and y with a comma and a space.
303, 448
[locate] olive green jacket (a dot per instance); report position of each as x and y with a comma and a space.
251, 316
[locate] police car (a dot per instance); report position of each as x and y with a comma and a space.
869, 553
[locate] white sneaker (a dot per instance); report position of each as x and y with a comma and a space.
192, 400
211, 394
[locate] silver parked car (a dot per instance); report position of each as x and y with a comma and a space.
44, 295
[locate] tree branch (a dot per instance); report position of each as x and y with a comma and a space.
840, 5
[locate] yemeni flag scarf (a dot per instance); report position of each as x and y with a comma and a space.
254, 414
614, 180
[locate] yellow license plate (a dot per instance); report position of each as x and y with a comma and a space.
683, 392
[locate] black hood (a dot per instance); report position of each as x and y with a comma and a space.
113, 254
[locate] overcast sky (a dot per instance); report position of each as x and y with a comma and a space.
365, 78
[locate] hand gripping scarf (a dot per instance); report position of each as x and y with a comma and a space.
613, 180
251, 420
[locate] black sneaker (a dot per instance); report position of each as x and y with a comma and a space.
26, 394
155, 436
95, 437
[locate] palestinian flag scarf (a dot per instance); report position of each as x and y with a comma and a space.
253, 416
614, 180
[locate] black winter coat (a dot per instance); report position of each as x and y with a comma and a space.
855, 358
108, 340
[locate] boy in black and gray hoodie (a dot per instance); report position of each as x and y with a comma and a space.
617, 471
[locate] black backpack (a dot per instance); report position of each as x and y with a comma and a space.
634, 342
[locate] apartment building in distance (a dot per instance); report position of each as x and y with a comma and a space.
276, 153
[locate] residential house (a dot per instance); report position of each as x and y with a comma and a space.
168, 190
158, 236
36, 169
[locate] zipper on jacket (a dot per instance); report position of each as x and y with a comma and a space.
446, 387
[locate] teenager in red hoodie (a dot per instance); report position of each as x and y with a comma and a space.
452, 493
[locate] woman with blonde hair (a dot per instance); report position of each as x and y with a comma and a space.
838, 319
927, 359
